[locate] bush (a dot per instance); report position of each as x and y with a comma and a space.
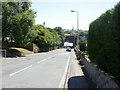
82, 44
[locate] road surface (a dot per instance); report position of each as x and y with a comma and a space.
44, 70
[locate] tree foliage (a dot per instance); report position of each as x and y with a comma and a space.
60, 32
82, 43
45, 38
18, 27
104, 41
17, 20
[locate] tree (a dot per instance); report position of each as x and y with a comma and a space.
17, 21
45, 38
60, 32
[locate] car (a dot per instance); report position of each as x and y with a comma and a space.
68, 49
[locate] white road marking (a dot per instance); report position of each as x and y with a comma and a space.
31, 65
42, 60
20, 70
47, 58
62, 82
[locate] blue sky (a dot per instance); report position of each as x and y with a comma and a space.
55, 13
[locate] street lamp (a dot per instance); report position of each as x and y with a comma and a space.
77, 26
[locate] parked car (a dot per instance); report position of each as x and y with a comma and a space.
68, 49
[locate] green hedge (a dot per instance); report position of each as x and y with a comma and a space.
82, 44
104, 41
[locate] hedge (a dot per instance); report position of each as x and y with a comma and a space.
104, 41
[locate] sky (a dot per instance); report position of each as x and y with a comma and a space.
58, 13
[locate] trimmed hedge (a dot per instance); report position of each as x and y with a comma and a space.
104, 41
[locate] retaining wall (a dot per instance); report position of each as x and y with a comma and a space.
99, 78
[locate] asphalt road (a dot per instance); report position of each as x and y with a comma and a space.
44, 70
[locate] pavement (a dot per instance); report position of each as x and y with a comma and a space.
75, 76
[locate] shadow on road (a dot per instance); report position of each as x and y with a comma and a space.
12, 53
77, 82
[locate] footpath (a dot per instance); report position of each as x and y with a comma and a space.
75, 76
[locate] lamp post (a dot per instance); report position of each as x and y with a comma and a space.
77, 26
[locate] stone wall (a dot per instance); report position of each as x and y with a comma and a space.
32, 47
99, 78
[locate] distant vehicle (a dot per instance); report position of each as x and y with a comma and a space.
68, 49
68, 44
